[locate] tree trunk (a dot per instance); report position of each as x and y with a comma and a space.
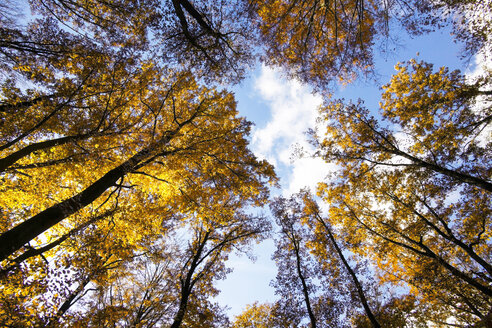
305, 291
27, 150
21, 234
356, 281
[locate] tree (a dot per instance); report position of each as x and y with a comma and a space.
318, 40
414, 194
206, 257
178, 134
52, 284
211, 38
322, 245
170, 285
294, 282
128, 234
120, 140
402, 311
150, 181
470, 22
311, 243
321, 41
123, 145
255, 315
159, 137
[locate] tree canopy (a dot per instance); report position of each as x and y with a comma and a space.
414, 193
127, 180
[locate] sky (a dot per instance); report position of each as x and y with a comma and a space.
282, 111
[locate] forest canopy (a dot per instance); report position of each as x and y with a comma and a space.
127, 179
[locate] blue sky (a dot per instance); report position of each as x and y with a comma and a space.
282, 111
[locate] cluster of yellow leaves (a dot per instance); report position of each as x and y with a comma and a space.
204, 170
318, 40
433, 107
412, 190
255, 315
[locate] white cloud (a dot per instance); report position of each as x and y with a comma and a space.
483, 67
482, 64
293, 108
307, 172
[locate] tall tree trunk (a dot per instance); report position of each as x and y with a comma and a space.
29, 149
356, 281
305, 291
38, 251
15, 238
460, 176
188, 283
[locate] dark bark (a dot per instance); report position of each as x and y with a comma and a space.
15, 238
71, 158
77, 294
34, 128
21, 234
195, 14
458, 273
448, 235
388, 146
69, 302
188, 283
26, 151
11, 108
184, 25
356, 281
38, 251
305, 290
486, 321
45, 119
470, 305
427, 252
178, 7
460, 176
